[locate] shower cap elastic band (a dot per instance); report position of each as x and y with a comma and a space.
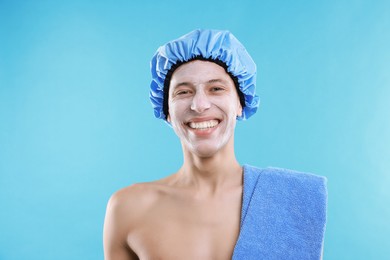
216, 45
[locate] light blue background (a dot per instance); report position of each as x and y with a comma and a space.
76, 123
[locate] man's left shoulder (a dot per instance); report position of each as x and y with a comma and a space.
295, 174
288, 174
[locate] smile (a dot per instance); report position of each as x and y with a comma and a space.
203, 125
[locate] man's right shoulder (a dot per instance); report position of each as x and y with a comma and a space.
136, 200
126, 210
138, 195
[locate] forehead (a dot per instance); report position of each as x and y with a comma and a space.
199, 71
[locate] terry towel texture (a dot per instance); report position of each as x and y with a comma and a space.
283, 215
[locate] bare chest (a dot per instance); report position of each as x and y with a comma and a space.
177, 229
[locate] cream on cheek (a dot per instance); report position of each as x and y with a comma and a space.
177, 116
230, 123
229, 104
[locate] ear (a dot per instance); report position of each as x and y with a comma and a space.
239, 109
239, 114
168, 119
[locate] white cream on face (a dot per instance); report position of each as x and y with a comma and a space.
203, 106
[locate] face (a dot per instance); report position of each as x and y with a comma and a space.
203, 106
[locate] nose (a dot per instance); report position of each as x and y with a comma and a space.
200, 102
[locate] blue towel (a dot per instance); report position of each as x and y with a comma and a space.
283, 215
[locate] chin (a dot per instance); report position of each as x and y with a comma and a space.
205, 150
208, 147
204, 154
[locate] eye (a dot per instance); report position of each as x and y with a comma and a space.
216, 89
182, 92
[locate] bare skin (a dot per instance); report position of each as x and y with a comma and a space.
195, 212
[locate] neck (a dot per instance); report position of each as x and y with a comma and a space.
211, 174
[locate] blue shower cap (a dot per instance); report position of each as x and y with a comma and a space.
213, 45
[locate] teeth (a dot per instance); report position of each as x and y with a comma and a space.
203, 125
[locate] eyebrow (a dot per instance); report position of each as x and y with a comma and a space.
216, 81
186, 83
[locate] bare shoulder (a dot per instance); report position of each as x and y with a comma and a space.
125, 211
135, 199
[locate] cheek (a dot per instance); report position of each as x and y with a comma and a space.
174, 109
232, 107
177, 112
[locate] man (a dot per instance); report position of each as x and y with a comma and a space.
212, 207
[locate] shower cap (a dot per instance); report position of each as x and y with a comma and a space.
213, 45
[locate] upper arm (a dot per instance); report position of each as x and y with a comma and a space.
115, 231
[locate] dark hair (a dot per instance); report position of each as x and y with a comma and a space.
168, 77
